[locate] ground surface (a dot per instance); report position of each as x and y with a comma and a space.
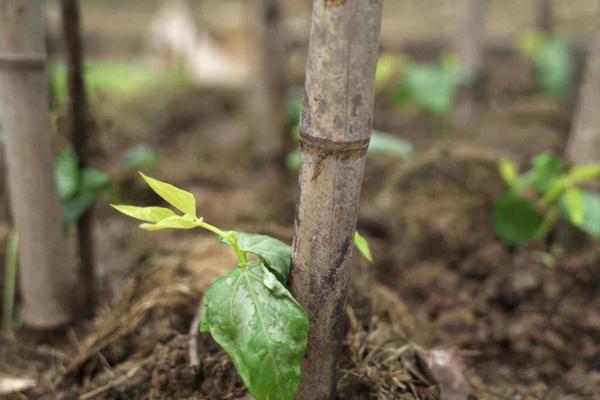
441, 279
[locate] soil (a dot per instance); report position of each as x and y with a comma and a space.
442, 283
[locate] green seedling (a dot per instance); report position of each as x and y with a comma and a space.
538, 198
431, 88
553, 61
249, 311
122, 79
140, 158
77, 189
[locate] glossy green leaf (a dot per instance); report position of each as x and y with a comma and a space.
590, 223
264, 330
174, 222
276, 254
363, 246
148, 214
385, 143
66, 173
515, 220
546, 169
178, 198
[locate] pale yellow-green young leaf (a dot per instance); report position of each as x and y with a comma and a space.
148, 214
363, 246
174, 222
583, 174
508, 171
573, 202
178, 198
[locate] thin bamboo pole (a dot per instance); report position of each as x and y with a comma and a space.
47, 279
335, 130
584, 142
79, 135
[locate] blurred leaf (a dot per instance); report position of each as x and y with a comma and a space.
140, 158
590, 222
174, 222
515, 220
93, 180
387, 67
546, 169
553, 60
293, 103
385, 143
508, 171
573, 206
178, 198
148, 214
66, 173
582, 174
292, 160
363, 246
431, 87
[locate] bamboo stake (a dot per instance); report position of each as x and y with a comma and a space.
47, 279
79, 134
335, 131
267, 99
584, 142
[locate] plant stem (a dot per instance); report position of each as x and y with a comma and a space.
229, 237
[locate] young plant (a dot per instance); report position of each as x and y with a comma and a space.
553, 62
249, 311
537, 198
77, 189
430, 87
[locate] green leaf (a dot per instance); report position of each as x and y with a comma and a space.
584, 173
148, 214
508, 171
180, 199
140, 157
174, 222
93, 180
432, 87
385, 143
292, 160
573, 206
515, 220
546, 169
590, 223
363, 246
66, 173
75, 206
276, 254
264, 330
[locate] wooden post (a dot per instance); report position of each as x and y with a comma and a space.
335, 129
79, 135
470, 38
267, 98
469, 45
543, 18
584, 142
47, 279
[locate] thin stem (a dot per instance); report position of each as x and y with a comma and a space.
228, 237
550, 219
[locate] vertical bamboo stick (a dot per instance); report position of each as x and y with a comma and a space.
584, 142
267, 99
335, 131
79, 135
47, 279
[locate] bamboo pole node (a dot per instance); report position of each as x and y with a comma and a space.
311, 141
22, 60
